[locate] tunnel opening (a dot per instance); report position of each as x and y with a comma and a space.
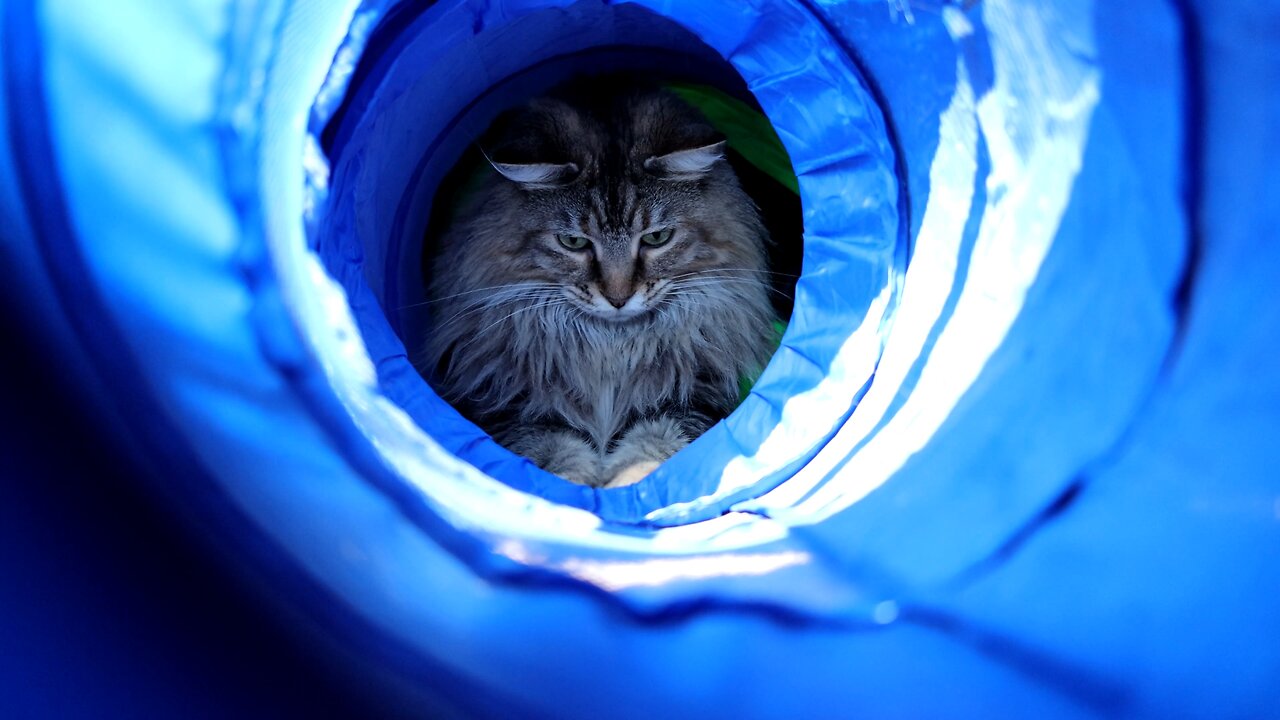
760, 166
398, 130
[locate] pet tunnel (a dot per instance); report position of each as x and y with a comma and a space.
1017, 452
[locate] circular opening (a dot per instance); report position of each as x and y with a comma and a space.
430, 79
760, 166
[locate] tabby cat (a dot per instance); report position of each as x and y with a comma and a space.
597, 302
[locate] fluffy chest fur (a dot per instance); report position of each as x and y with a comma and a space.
537, 360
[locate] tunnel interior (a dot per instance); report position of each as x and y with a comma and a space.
389, 138
1059, 397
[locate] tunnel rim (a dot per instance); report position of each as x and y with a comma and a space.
636, 505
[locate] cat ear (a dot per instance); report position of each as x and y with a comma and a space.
688, 164
537, 176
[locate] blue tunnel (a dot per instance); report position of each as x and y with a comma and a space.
1017, 455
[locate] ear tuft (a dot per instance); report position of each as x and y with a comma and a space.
537, 176
688, 164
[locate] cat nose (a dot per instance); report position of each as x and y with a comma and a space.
616, 283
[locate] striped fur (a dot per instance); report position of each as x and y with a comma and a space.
614, 356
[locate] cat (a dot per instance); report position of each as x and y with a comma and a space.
597, 302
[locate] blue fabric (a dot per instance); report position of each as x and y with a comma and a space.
1015, 456
483, 50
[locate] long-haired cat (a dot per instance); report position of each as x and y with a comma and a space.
597, 303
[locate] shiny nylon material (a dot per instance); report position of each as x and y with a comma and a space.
839, 154
1015, 471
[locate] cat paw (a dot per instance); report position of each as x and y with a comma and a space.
656, 440
559, 452
632, 474
642, 449
576, 462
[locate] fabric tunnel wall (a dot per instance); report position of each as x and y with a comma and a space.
1015, 455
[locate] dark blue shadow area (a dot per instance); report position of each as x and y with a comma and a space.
110, 607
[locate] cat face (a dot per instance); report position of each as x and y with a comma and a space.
610, 268
623, 205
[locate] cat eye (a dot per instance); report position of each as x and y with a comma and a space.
657, 239
573, 242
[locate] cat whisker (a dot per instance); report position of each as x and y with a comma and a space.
774, 273
727, 282
494, 289
461, 349
727, 272
554, 302
713, 279
489, 303
697, 283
